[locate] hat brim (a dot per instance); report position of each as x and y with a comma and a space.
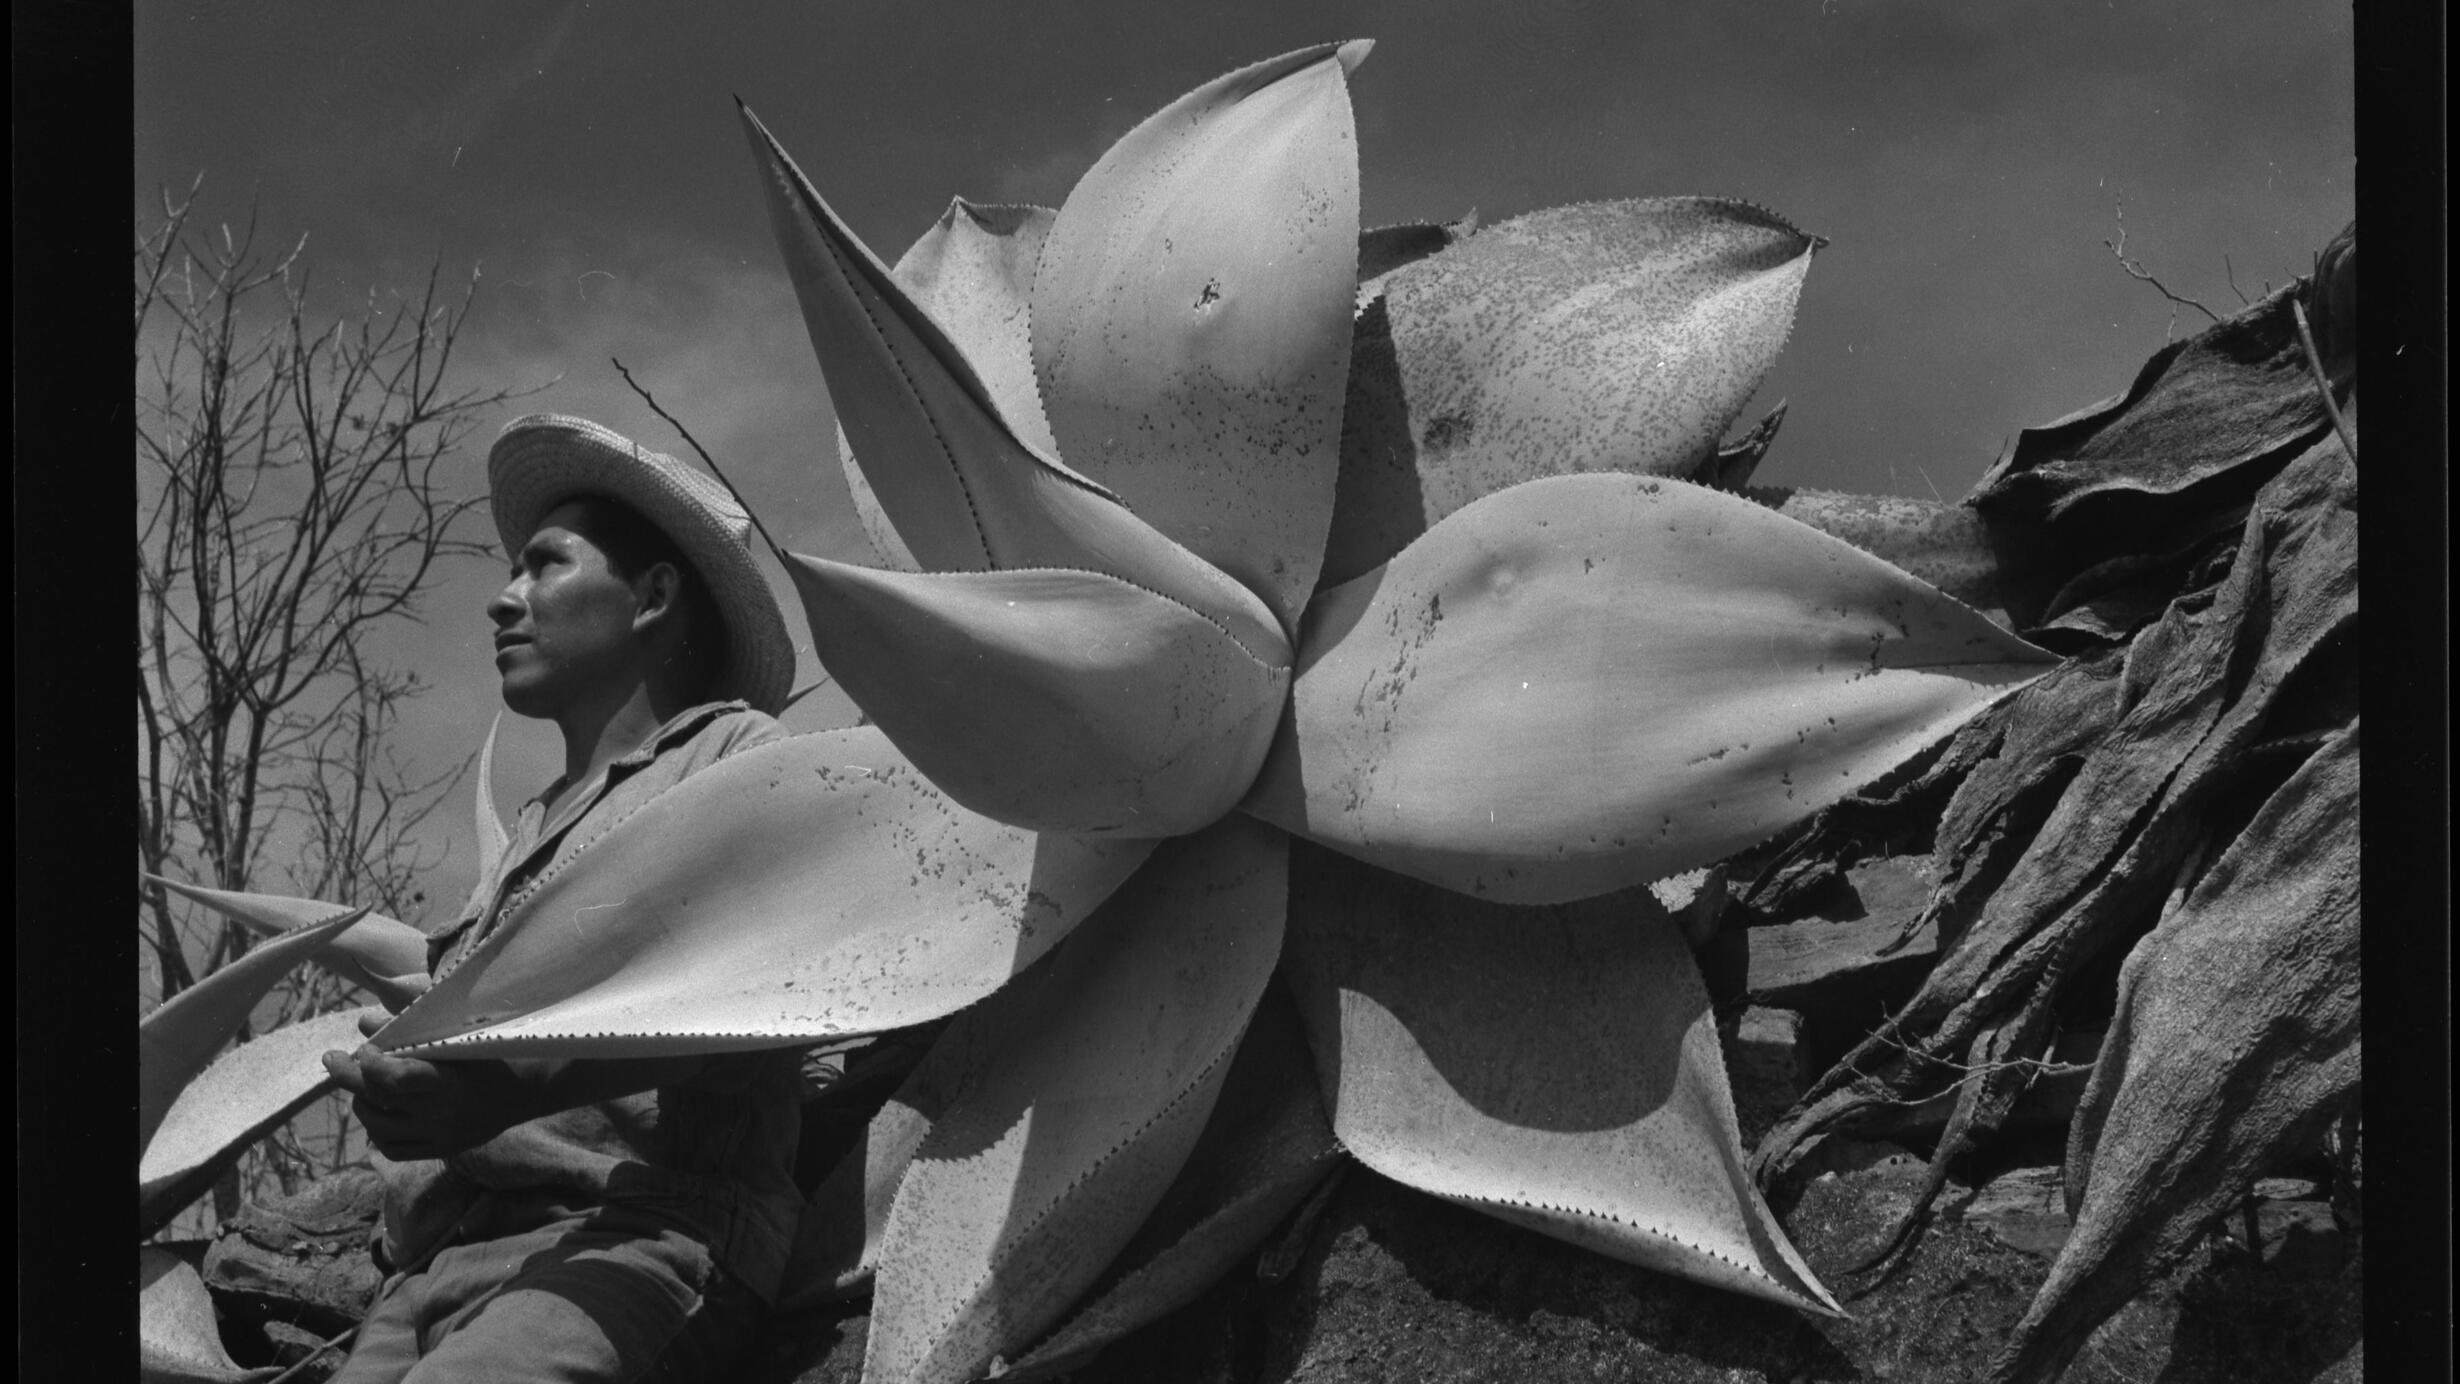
545, 459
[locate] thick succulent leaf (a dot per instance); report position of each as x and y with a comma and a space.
1191, 317
807, 888
237, 1100
178, 1341
1588, 682
2236, 1039
1555, 1067
1075, 1096
1266, 1147
493, 839
963, 489
1057, 701
381, 955
1386, 249
180, 1037
1622, 336
973, 271
837, 1242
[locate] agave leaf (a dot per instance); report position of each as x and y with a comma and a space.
181, 1035
383, 956
973, 271
807, 888
1588, 682
1386, 249
1621, 336
1059, 701
963, 489
493, 839
2235, 1041
237, 1100
1191, 316
1076, 1094
178, 1341
837, 1242
1266, 1147
1557, 1068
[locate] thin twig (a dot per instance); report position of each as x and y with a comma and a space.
2135, 268
2323, 386
706, 459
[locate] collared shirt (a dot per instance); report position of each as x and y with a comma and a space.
713, 1155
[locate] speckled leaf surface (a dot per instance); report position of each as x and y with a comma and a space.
178, 1341
1266, 1147
1074, 1098
1054, 700
837, 1242
1556, 1067
1621, 336
1191, 316
806, 888
180, 1037
973, 271
237, 1100
384, 956
1587, 682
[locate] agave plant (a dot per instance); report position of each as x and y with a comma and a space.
1179, 587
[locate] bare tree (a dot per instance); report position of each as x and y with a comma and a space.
290, 511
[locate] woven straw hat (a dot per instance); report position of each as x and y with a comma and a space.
540, 461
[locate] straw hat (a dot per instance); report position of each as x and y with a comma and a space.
540, 461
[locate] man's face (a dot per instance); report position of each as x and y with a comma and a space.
564, 624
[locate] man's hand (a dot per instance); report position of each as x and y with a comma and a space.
415, 1109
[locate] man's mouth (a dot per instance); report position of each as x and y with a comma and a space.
507, 641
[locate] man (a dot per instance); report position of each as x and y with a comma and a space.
592, 1219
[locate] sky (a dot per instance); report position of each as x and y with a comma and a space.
1966, 162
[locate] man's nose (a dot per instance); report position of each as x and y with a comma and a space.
505, 608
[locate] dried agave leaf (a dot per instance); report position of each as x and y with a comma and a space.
1191, 316
178, 1341
2226, 398
807, 888
973, 271
1074, 1097
237, 1101
2236, 1039
1058, 701
180, 1037
963, 488
1587, 682
1554, 1067
1266, 1147
1608, 336
383, 956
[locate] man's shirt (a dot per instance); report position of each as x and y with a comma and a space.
713, 1156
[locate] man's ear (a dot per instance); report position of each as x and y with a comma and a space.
659, 590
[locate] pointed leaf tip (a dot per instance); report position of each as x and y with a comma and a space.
878, 904
1588, 682
1191, 318
1557, 1068
1058, 701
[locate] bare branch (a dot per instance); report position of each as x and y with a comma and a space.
2136, 269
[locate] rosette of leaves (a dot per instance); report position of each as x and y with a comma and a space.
1258, 598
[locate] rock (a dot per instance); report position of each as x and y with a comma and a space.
2025, 1209
301, 1260
1765, 1066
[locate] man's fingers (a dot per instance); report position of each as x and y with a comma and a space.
369, 1023
345, 1071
